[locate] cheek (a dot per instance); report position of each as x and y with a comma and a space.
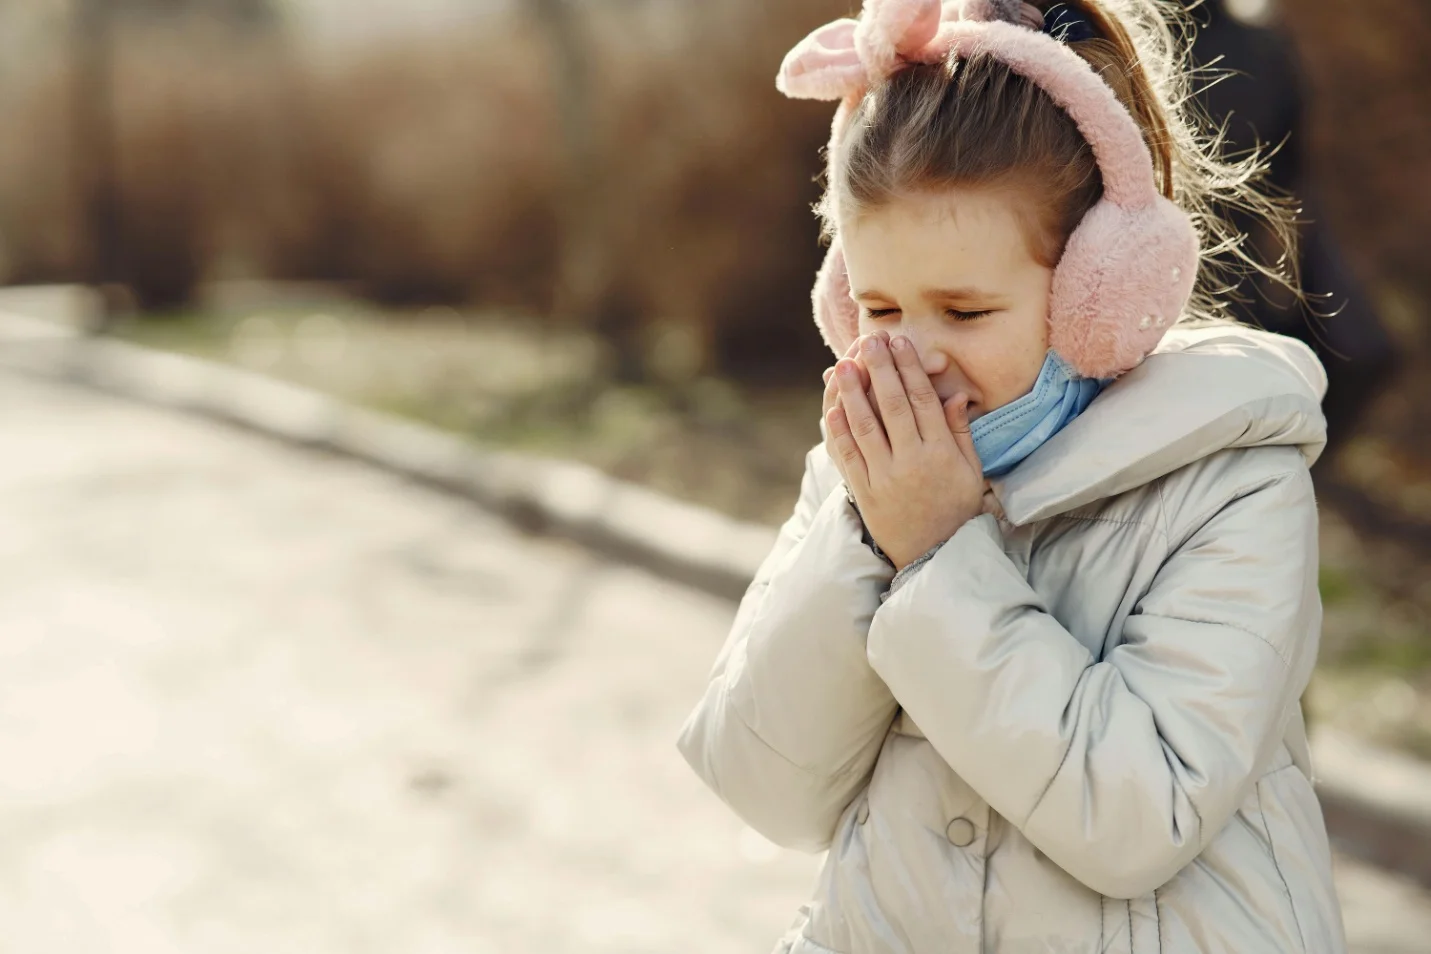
1028, 365
1011, 360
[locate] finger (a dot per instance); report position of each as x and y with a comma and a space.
831, 396
831, 400
868, 433
864, 369
846, 451
855, 353
956, 411
929, 414
888, 383
831, 388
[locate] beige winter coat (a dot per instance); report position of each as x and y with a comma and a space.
1076, 728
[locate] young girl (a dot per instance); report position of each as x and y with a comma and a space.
1027, 657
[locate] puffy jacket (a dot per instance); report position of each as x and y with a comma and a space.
1077, 727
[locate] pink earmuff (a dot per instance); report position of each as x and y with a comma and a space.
1127, 271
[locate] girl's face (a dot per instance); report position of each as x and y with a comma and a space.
953, 272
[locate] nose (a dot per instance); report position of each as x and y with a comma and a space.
934, 359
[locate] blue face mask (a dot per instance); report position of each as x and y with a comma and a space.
1007, 435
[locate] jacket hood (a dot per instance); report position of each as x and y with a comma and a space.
1205, 389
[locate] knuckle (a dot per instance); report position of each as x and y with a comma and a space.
865, 426
922, 395
897, 407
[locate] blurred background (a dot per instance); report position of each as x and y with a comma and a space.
582, 229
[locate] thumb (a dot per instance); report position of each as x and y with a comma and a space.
956, 414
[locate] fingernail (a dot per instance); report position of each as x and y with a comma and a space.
900, 343
845, 367
872, 343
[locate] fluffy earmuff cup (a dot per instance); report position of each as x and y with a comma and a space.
836, 314
1125, 277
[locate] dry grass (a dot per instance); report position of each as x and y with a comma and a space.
430, 169
736, 448
1370, 113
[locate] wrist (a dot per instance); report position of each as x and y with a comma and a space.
927, 544
903, 574
865, 536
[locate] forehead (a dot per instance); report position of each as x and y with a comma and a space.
953, 237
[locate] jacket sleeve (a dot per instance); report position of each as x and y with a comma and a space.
1120, 770
793, 717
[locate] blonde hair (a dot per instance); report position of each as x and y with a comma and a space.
975, 122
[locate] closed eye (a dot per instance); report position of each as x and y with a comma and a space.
876, 314
957, 315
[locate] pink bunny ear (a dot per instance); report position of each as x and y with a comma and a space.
893, 29
824, 65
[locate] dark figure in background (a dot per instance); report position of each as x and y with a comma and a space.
1262, 102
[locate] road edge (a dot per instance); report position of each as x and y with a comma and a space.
1377, 803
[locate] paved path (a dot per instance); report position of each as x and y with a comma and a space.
253, 699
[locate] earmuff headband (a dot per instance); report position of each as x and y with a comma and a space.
1128, 269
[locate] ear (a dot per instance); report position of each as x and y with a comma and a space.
824, 65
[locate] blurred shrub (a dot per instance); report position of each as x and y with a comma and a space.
419, 172
1370, 103
432, 168
709, 197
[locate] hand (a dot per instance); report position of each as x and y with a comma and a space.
915, 476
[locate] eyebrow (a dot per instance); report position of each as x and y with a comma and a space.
961, 294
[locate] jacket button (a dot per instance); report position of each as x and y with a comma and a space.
960, 833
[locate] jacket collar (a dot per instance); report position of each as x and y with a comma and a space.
1205, 389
